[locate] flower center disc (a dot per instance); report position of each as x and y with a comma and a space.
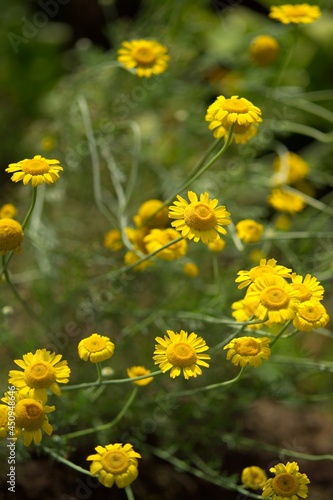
39, 375
181, 354
144, 56
285, 485
35, 167
247, 347
235, 106
304, 292
310, 313
95, 345
200, 217
29, 414
115, 462
274, 298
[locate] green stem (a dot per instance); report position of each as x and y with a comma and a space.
31, 208
104, 427
85, 385
129, 493
67, 462
99, 373
281, 332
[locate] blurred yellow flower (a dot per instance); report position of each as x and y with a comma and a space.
249, 230
284, 201
152, 214
7, 211
96, 348
37, 170
132, 257
264, 50
282, 222
138, 371
145, 57
157, 238
11, 236
253, 477
244, 309
299, 13
113, 240
191, 269
248, 350
289, 168
217, 245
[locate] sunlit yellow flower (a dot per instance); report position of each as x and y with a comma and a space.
264, 50
138, 371
191, 269
269, 266
236, 110
7, 211
284, 201
217, 245
113, 240
277, 298
288, 483
145, 57
157, 238
41, 371
253, 477
115, 463
132, 257
30, 417
289, 168
37, 170
96, 348
299, 13
248, 350
310, 314
11, 236
308, 287
249, 230
201, 219
152, 213
243, 310
181, 352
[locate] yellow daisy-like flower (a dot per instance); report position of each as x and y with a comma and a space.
115, 463
96, 348
249, 230
264, 50
31, 418
241, 133
191, 269
7, 211
3, 421
284, 201
236, 110
37, 170
287, 483
146, 57
138, 371
42, 370
157, 238
244, 309
269, 266
217, 245
201, 219
300, 13
252, 351
11, 236
277, 298
113, 240
289, 168
181, 352
308, 287
253, 477
152, 213
310, 314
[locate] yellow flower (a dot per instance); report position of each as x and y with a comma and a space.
284, 201
96, 348
157, 238
200, 219
310, 314
277, 298
138, 371
30, 417
217, 245
308, 287
3, 421
37, 170
269, 266
11, 236
299, 13
289, 168
287, 483
191, 269
115, 463
248, 350
241, 133
249, 230
264, 50
42, 370
113, 240
146, 57
253, 477
282, 222
136, 237
233, 111
181, 352
244, 309
132, 257
7, 211
152, 213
